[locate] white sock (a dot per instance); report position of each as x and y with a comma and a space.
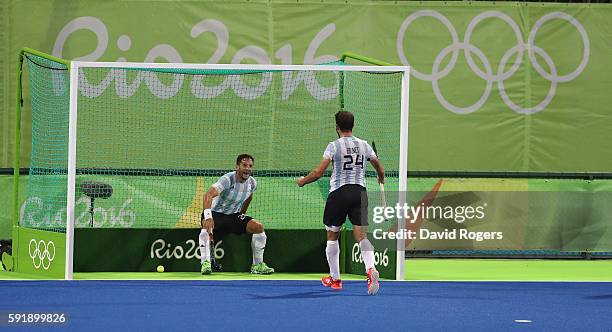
332, 251
258, 244
367, 253
204, 241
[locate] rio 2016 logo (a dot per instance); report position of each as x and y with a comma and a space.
35, 212
198, 89
162, 250
42, 253
380, 258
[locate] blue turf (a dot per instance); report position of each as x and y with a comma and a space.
306, 305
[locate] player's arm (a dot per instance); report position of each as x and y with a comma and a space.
315, 174
207, 220
245, 205
380, 171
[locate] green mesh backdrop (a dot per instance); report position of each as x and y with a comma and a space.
47, 181
160, 139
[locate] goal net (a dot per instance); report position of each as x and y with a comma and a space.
136, 145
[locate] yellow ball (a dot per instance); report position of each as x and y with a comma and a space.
160, 268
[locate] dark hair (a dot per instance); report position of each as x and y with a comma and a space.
345, 120
242, 156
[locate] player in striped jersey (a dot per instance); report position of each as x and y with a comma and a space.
225, 205
348, 155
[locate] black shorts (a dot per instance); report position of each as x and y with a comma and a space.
230, 223
349, 200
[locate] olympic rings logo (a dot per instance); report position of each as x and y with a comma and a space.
489, 75
42, 253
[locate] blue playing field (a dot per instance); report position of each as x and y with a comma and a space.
306, 305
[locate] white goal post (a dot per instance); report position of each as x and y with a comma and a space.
76, 74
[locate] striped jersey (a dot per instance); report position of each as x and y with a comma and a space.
232, 193
348, 156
